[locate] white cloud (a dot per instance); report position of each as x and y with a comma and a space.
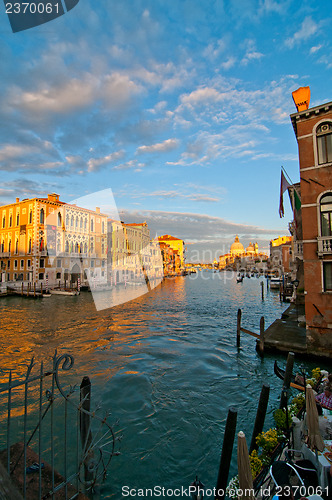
113, 90
161, 147
131, 164
94, 164
229, 63
201, 95
308, 28
11, 151
251, 52
315, 49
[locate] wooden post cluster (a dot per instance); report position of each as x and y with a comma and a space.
262, 288
260, 337
226, 453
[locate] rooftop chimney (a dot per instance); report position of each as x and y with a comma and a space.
53, 197
98, 210
17, 200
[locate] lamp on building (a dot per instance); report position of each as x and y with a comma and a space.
296, 284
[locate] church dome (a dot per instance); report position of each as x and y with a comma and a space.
250, 248
237, 248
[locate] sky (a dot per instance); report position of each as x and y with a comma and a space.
181, 108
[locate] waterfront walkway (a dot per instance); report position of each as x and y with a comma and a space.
285, 334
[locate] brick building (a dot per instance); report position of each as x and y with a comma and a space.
313, 131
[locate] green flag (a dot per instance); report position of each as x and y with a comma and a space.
297, 200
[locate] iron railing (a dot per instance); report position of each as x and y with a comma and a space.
52, 434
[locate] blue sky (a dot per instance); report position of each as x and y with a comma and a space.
180, 107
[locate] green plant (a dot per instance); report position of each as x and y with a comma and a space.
280, 419
316, 374
255, 463
268, 440
233, 487
297, 404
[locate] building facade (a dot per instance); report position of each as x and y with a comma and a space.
46, 239
178, 248
131, 254
313, 131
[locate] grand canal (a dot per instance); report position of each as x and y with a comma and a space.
166, 366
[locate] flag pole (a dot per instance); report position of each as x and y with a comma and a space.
283, 169
290, 180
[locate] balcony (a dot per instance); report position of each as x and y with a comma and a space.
4, 254
324, 245
298, 249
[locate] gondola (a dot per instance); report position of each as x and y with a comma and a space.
296, 384
281, 374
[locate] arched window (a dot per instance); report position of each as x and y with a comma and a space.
85, 248
4, 221
10, 220
67, 247
324, 143
71, 246
30, 217
76, 223
81, 223
67, 220
72, 221
42, 216
17, 219
16, 246
3, 246
91, 227
30, 245
9, 246
76, 248
59, 219
326, 214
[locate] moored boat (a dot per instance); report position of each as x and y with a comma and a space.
58, 291
275, 282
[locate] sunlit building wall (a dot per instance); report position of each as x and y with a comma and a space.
44, 238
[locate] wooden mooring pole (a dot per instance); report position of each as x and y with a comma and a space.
260, 416
238, 330
85, 425
287, 379
262, 288
226, 454
261, 336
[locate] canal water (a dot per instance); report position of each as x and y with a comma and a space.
165, 365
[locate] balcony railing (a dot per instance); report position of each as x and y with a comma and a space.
324, 245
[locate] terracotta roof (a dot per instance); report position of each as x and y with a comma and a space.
168, 237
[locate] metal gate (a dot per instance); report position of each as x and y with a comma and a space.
56, 445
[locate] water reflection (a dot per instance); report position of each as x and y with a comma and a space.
165, 364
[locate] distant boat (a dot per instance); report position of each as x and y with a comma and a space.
275, 282
239, 278
59, 291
